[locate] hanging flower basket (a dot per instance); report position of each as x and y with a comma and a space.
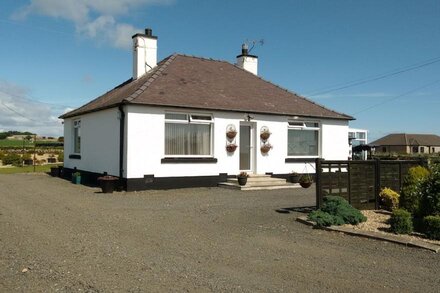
231, 134
265, 135
305, 181
265, 148
231, 147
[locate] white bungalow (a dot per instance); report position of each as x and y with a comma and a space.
167, 126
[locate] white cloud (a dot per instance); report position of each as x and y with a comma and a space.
20, 113
95, 19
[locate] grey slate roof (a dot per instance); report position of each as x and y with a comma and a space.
199, 83
404, 139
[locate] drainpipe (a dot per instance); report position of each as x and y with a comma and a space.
121, 142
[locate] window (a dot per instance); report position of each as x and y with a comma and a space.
188, 134
384, 149
415, 149
422, 149
77, 136
303, 139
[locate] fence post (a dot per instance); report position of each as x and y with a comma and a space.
318, 168
376, 182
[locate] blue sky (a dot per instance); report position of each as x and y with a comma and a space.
56, 55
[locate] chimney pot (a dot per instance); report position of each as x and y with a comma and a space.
244, 49
148, 31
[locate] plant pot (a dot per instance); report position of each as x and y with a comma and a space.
231, 134
107, 185
265, 149
76, 179
55, 171
242, 180
294, 178
231, 148
265, 135
305, 184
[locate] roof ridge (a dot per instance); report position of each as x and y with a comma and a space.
155, 73
294, 93
406, 138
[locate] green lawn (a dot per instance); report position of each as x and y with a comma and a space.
15, 143
26, 169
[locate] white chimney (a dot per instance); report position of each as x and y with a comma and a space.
144, 53
246, 61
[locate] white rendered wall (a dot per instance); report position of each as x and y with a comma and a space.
144, 55
99, 142
248, 63
145, 144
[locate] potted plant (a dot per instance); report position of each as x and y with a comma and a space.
107, 183
231, 133
76, 178
231, 147
265, 148
294, 177
305, 181
242, 178
264, 135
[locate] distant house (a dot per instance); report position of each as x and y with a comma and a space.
357, 139
191, 121
407, 143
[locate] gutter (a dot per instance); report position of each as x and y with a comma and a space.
121, 142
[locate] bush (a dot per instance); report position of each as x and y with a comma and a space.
401, 222
431, 226
61, 157
336, 211
323, 219
411, 193
12, 159
389, 198
430, 189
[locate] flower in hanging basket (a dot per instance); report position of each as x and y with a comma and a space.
306, 181
265, 135
231, 134
265, 148
231, 147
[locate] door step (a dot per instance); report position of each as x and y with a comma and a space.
259, 182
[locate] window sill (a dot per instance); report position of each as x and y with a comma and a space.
189, 160
301, 160
73, 156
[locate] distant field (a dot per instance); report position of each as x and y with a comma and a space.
15, 143
26, 169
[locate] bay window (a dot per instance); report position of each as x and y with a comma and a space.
188, 134
303, 139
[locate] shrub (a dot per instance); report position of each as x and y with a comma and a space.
336, 211
389, 198
12, 159
411, 193
431, 226
61, 157
430, 189
401, 222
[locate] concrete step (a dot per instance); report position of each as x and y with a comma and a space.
246, 187
259, 182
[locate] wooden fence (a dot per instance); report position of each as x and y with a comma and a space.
360, 182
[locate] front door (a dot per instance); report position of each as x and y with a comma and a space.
246, 147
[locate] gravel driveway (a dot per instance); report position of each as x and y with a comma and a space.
73, 238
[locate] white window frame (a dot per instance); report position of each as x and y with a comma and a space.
76, 125
302, 125
189, 119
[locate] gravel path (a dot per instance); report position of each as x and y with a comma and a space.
73, 238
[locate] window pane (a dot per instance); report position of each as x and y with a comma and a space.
311, 124
292, 123
175, 116
187, 139
76, 140
302, 142
201, 117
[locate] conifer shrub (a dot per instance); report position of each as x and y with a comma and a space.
401, 222
336, 211
430, 190
411, 189
431, 226
389, 199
